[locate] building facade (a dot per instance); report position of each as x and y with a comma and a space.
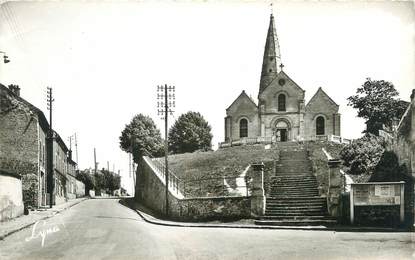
281, 113
23, 129
23, 151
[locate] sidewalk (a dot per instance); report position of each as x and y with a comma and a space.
148, 216
14, 225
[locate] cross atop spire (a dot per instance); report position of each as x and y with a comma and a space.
272, 56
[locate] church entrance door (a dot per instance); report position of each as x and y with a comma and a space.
282, 135
281, 131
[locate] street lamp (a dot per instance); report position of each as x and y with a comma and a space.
5, 57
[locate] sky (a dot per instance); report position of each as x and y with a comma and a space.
105, 59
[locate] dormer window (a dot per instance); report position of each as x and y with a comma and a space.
281, 102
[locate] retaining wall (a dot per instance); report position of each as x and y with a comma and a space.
150, 191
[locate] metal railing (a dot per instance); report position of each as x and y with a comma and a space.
174, 181
249, 141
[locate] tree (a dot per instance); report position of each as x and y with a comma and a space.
86, 178
376, 102
363, 154
189, 133
141, 137
111, 181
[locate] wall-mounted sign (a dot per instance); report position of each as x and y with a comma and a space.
377, 194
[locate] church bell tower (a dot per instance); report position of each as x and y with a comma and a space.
272, 57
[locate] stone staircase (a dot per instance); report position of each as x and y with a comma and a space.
294, 199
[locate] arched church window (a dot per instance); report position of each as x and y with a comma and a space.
281, 102
243, 128
320, 126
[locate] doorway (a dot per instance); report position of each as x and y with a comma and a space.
281, 131
282, 135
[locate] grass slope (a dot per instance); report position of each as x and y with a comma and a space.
203, 172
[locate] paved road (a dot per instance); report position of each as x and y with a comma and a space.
104, 229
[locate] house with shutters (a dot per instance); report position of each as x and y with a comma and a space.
281, 113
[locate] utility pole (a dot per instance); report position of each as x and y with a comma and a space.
166, 101
95, 161
76, 151
50, 147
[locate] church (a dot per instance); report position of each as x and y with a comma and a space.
281, 113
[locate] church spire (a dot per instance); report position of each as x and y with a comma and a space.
272, 57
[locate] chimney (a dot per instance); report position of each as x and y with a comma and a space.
70, 155
15, 89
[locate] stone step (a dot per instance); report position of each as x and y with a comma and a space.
293, 182
298, 186
289, 222
293, 157
300, 199
293, 191
293, 185
288, 212
290, 189
320, 217
282, 171
293, 188
297, 204
294, 174
294, 195
291, 214
294, 207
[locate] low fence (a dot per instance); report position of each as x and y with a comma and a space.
272, 140
174, 181
249, 141
11, 197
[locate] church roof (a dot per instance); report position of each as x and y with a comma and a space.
320, 91
282, 74
243, 95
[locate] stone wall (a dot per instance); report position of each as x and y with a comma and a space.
80, 189
319, 161
224, 208
403, 145
150, 191
11, 197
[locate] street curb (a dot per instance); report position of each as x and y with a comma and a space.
178, 224
2, 237
310, 228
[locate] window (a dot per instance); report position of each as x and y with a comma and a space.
40, 151
243, 128
281, 102
320, 126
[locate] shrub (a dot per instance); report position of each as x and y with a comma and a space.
362, 156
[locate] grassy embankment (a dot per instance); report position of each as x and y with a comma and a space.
203, 172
